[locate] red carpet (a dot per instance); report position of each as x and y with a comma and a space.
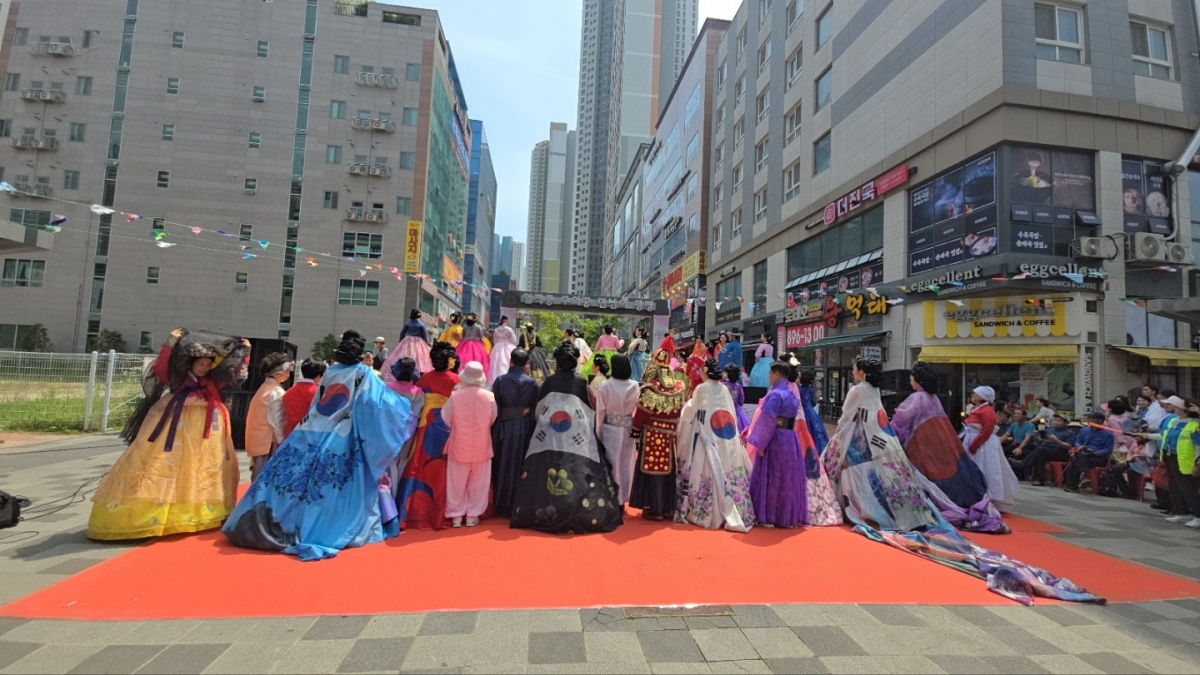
493, 567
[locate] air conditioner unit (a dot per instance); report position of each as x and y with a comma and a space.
1088, 247
376, 216
383, 125
365, 78
46, 143
358, 169
381, 170
388, 81
60, 49
1145, 247
1177, 254
354, 214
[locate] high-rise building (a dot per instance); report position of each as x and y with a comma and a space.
631, 52
517, 265
551, 177
231, 144
508, 256
481, 226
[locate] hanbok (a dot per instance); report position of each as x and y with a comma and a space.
319, 493
730, 355
539, 367
763, 357
585, 357
823, 507
565, 485
655, 422
607, 345
738, 394
714, 471
638, 357
615, 403
934, 449
414, 344
473, 347
416, 405
777, 484
869, 469
502, 349
453, 334
1002, 481
816, 427
516, 399
421, 495
180, 471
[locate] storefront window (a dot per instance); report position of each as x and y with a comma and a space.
730, 289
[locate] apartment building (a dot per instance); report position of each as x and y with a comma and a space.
548, 233
481, 227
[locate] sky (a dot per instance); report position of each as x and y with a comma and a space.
519, 66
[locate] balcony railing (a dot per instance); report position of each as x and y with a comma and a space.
47, 95
36, 191
53, 49
353, 8
368, 124
373, 80
35, 143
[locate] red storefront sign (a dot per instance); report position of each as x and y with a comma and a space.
802, 335
867, 192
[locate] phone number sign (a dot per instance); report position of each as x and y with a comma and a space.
804, 334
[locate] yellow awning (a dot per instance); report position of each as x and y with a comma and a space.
1011, 353
1185, 358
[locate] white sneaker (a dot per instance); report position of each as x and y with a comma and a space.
472, 522
1172, 519
456, 522
1194, 523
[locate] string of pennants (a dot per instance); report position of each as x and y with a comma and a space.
256, 249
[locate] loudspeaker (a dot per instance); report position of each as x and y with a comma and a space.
238, 401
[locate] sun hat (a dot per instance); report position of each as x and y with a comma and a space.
472, 374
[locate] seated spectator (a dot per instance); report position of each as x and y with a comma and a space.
1093, 448
1020, 434
1045, 412
1003, 419
1052, 445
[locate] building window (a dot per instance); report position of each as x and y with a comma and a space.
410, 117
5, 128
158, 224
737, 176
241, 280
333, 154
262, 49
83, 86
720, 121
741, 41
824, 88
764, 10
91, 38
795, 66
412, 72
337, 110
692, 147
70, 180
718, 157
822, 151
794, 7
20, 37
762, 104
259, 95
716, 236
254, 140
760, 204
164, 179
791, 123
693, 183
760, 154
1151, 50
246, 233
331, 200
77, 132
760, 288
1057, 31
146, 342
735, 222
362, 245
22, 273
151, 276
739, 90
764, 55
177, 40
403, 19
718, 196
12, 82
730, 290
403, 206
408, 160
341, 64
168, 132
791, 181
722, 72
250, 187
739, 132
358, 292
825, 26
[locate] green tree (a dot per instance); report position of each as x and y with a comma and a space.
324, 348
110, 340
36, 339
593, 326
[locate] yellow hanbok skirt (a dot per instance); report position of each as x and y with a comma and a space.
150, 492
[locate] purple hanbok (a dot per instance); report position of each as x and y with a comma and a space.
777, 485
739, 404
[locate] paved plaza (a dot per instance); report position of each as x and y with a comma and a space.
1153, 637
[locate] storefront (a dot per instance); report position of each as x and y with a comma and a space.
682, 288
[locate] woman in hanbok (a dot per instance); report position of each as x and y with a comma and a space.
320, 492
616, 400
655, 422
694, 366
504, 341
762, 363
980, 440
581, 346
639, 354
733, 382
454, 332
180, 471
731, 353
414, 344
404, 382
474, 345
599, 376
778, 483
539, 368
565, 484
421, 495
714, 471
516, 399
929, 441
867, 465
607, 344
808, 401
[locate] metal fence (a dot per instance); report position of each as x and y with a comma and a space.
69, 392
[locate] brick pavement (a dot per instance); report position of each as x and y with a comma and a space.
1155, 637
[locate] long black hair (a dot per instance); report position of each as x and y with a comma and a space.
600, 364
807, 378
405, 370
872, 371
925, 377
440, 355
350, 350
566, 358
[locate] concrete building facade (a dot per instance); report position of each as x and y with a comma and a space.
300, 161
921, 174
481, 226
551, 182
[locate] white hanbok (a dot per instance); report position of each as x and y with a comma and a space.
1002, 482
714, 469
615, 402
504, 341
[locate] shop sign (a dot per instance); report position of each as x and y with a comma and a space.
574, 303
728, 270
781, 338
853, 308
874, 353
868, 192
412, 247
452, 278
1089, 378
947, 278
1047, 271
688, 270
1003, 317
807, 310
802, 335
731, 311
